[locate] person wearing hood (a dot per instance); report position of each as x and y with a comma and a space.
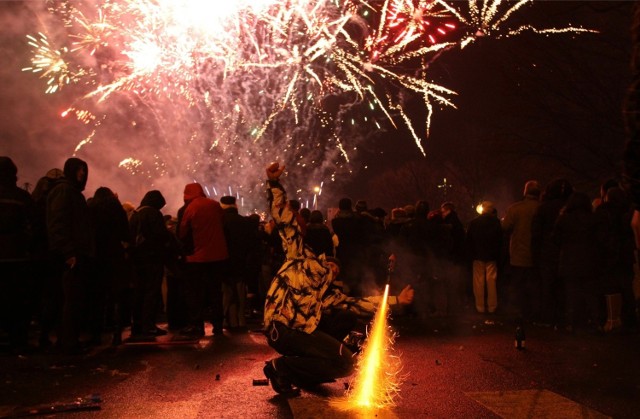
201, 232
71, 245
17, 210
149, 247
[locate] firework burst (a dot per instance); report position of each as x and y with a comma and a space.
221, 85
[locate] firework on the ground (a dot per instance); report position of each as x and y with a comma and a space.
222, 85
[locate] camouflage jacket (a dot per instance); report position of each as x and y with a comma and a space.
304, 286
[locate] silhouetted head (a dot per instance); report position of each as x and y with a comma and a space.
422, 208
558, 189
345, 204
361, 206
294, 204
316, 217
8, 171
153, 199
76, 171
103, 193
228, 202
488, 207
305, 213
532, 189
192, 191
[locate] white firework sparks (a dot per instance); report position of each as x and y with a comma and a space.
222, 85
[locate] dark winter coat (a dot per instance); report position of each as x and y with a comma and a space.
16, 214
457, 253
484, 238
517, 223
68, 224
151, 240
241, 235
348, 227
618, 245
579, 239
110, 225
543, 249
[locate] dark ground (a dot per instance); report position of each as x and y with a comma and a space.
458, 367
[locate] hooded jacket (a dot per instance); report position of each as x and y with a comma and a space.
71, 167
68, 225
149, 235
304, 286
202, 225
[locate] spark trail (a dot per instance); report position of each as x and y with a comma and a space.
203, 90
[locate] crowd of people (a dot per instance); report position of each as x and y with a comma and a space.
74, 269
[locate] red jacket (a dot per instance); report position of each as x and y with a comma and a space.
202, 223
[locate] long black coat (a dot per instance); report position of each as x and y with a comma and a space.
68, 225
241, 235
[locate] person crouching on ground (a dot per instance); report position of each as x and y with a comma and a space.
306, 315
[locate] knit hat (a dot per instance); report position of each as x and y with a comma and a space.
228, 202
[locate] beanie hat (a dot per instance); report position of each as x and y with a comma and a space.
193, 191
228, 202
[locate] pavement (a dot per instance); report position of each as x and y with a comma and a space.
462, 367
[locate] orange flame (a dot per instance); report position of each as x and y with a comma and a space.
371, 375
375, 383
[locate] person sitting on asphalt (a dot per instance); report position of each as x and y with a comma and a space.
306, 314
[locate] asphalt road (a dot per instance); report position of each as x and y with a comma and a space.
461, 368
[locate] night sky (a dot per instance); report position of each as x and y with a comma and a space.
531, 106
